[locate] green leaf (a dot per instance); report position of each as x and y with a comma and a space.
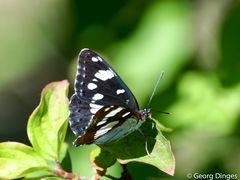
133, 149
100, 161
18, 160
52, 178
48, 123
102, 158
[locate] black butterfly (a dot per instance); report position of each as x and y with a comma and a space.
102, 109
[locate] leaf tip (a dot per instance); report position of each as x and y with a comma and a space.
170, 170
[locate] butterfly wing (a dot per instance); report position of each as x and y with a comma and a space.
100, 96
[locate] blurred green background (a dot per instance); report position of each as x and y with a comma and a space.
196, 43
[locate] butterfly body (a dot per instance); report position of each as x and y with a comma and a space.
102, 109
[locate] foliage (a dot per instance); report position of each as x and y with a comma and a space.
196, 44
47, 128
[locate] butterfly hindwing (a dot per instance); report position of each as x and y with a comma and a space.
79, 115
104, 121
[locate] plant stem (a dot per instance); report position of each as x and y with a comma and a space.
59, 171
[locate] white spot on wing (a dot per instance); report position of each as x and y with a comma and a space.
104, 120
75, 132
97, 96
105, 129
114, 112
120, 91
91, 118
94, 111
95, 80
94, 108
111, 124
92, 86
99, 58
81, 92
127, 113
101, 132
94, 59
107, 109
104, 75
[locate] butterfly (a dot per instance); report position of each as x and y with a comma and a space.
102, 109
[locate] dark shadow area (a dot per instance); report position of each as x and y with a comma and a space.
126, 147
230, 43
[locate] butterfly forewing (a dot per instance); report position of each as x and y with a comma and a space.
96, 80
101, 101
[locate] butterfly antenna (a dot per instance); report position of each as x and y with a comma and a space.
163, 112
155, 88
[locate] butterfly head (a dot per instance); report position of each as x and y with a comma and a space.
145, 113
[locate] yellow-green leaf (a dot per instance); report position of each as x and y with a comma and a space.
17, 160
48, 123
136, 146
